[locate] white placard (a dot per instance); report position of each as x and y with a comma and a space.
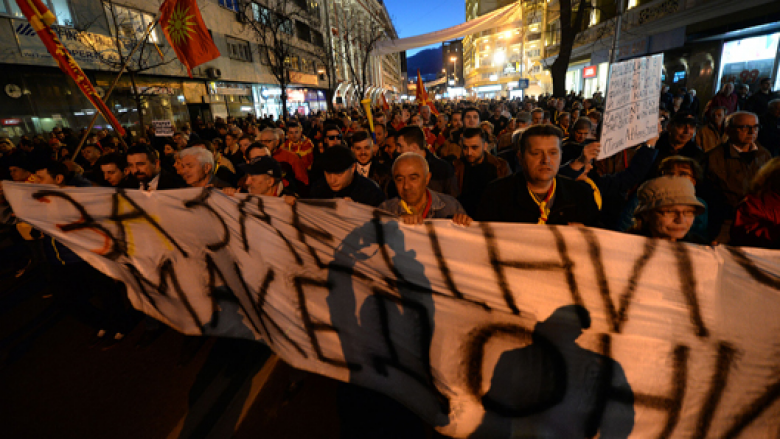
631, 114
163, 128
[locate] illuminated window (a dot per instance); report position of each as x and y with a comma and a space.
129, 23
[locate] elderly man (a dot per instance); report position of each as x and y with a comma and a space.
412, 139
537, 194
197, 168
291, 163
299, 144
367, 164
342, 181
415, 202
264, 177
476, 168
428, 119
144, 164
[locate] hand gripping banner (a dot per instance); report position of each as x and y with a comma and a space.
495, 330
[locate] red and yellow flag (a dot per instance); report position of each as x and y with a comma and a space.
41, 19
422, 95
187, 34
385, 105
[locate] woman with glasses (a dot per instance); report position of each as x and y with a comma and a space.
666, 210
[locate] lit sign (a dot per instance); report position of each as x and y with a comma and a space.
489, 88
10, 122
589, 72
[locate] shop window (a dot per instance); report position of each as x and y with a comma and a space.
240, 50
533, 53
59, 8
233, 5
316, 39
129, 23
303, 31
554, 32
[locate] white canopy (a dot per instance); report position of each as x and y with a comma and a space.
507, 15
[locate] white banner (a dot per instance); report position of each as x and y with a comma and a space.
495, 330
631, 113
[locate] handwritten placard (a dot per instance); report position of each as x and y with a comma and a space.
631, 114
163, 128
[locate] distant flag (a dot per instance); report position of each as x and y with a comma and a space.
385, 105
422, 95
187, 34
41, 19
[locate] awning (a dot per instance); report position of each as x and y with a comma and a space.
511, 14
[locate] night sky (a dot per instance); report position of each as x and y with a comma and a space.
415, 17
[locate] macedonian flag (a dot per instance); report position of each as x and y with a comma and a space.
187, 34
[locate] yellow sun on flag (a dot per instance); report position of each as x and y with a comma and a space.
180, 25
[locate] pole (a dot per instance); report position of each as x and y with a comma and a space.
113, 85
616, 36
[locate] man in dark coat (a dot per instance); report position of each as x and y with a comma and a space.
342, 180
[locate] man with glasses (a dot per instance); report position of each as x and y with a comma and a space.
288, 160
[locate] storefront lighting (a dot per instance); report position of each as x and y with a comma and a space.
499, 57
508, 33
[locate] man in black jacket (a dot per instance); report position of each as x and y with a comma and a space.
144, 165
538, 195
342, 181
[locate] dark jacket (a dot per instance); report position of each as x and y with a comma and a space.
361, 190
731, 172
665, 149
442, 176
508, 200
759, 102
169, 180
474, 179
380, 174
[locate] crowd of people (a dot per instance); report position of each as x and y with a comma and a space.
708, 177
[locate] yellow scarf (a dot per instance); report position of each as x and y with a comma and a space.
544, 205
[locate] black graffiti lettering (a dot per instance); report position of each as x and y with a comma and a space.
136, 213
140, 283
313, 327
474, 351
726, 354
445, 269
566, 265
85, 222
688, 286
262, 316
672, 404
264, 217
306, 230
754, 410
201, 201
756, 273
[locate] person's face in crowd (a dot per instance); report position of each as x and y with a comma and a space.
681, 133
594, 123
18, 174
536, 118
441, 123
766, 86
474, 149
332, 138
541, 159
411, 181
718, 116
243, 144
743, 130
5, 146
179, 140
487, 129
405, 115
497, 112
90, 154
380, 118
381, 134
230, 140
581, 134
471, 120
397, 119
269, 141
112, 174
168, 150
193, 172
363, 151
457, 121
355, 126
260, 184
564, 121
294, 134
671, 222
677, 101
255, 153
682, 170
559, 104
42, 176
425, 112
417, 120
403, 147
728, 89
141, 168
340, 180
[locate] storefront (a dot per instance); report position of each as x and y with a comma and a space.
231, 99
747, 60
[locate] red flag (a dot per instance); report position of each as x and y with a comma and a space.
187, 34
422, 95
385, 105
41, 18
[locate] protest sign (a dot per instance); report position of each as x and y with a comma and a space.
631, 112
493, 330
163, 128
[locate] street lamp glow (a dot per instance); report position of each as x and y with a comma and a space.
453, 59
499, 57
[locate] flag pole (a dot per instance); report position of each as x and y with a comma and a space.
113, 85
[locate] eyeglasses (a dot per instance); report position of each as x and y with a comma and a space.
333, 137
745, 128
674, 213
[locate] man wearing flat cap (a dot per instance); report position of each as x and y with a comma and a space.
264, 177
341, 180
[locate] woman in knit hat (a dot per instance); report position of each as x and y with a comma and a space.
666, 210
